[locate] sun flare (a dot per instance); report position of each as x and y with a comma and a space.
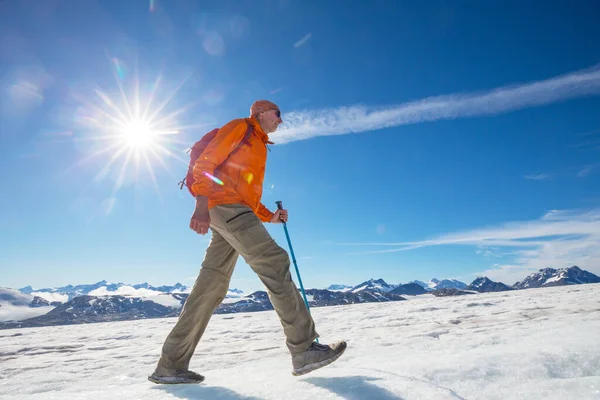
138, 134
131, 129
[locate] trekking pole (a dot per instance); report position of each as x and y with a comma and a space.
287, 235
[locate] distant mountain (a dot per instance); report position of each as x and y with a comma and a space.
73, 291
337, 288
410, 289
88, 309
257, 301
177, 288
374, 285
117, 302
106, 288
557, 277
16, 306
423, 285
14, 298
483, 285
448, 284
435, 284
321, 297
17, 299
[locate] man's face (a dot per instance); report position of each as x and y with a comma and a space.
270, 121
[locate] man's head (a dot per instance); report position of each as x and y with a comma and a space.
267, 114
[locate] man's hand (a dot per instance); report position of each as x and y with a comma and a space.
201, 218
279, 217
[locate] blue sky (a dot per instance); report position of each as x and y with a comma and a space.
421, 139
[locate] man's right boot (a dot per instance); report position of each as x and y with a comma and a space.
316, 356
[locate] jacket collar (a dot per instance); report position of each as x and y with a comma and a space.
258, 130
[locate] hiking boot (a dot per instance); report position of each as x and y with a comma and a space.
175, 377
316, 356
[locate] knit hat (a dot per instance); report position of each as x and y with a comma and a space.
262, 105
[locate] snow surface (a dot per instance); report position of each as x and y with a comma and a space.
522, 344
554, 279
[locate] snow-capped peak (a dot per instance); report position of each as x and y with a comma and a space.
374, 284
555, 277
339, 288
435, 284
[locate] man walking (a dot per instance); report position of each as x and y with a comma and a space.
228, 179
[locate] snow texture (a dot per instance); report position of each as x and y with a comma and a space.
525, 344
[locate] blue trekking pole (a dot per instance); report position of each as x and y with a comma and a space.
287, 235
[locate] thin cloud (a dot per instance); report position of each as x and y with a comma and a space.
591, 142
537, 177
587, 144
589, 133
585, 171
279, 89
488, 252
560, 238
301, 125
303, 41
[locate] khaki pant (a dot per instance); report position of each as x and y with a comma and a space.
236, 230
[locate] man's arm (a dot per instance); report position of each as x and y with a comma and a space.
225, 141
264, 214
277, 217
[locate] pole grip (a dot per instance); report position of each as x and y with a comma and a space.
279, 205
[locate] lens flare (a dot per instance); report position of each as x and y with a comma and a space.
214, 179
132, 128
248, 177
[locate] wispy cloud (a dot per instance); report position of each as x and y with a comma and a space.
303, 41
558, 239
587, 144
488, 252
593, 143
579, 171
537, 177
279, 89
301, 125
590, 133
585, 172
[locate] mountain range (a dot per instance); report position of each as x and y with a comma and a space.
103, 301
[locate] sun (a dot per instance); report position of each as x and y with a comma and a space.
132, 131
139, 134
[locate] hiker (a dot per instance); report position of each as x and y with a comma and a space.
227, 183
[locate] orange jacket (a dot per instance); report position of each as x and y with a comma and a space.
241, 175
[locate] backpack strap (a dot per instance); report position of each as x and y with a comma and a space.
245, 139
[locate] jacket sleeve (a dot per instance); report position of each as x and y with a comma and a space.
264, 214
215, 153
